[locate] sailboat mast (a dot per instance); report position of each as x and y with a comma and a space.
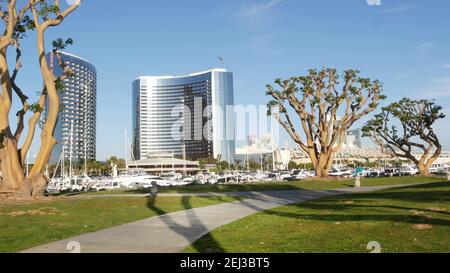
273, 150
85, 130
63, 165
71, 150
184, 158
126, 150
173, 162
85, 157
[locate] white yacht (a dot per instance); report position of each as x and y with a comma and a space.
338, 172
135, 178
132, 177
67, 184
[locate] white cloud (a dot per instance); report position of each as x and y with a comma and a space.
407, 73
426, 45
424, 48
262, 44
437, 89
414, 71
257, 12
399, 9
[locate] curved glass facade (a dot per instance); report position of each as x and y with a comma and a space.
78, 109
184, 115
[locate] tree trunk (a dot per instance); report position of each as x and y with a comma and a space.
48, 142
323, 166
38, 184
13, 181
423, 169
13, 178
322, 172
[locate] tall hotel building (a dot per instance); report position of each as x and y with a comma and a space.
189, 116
76, 127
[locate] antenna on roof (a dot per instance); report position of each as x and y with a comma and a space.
222, 60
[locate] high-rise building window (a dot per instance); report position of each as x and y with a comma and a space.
76, 127
200, 99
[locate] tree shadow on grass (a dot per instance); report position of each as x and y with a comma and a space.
394, 218
195, 228
361, 203
435, 192
208, 243
343, 207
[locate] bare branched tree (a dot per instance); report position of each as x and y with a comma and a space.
317, 102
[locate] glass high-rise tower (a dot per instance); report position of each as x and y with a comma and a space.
76, 127
189, 116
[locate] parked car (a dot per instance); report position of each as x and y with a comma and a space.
409, 171
376, 173
361, 172
391, 172
272, 176
436, 171
299, 175
286, 176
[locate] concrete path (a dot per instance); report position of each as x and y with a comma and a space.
171, 233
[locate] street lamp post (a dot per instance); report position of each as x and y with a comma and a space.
357, 181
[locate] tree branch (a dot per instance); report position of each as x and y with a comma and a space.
7, 39
32, 123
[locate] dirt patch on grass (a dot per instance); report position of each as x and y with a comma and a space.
38, 212
422, 227
417, 212
329, 179
437, 209
12, 201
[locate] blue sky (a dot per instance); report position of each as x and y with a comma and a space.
405, 44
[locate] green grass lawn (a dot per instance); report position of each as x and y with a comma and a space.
280, 186
28, 225
413, 219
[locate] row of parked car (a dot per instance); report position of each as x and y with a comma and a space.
366, 172
390, 172
296, 175
399, 171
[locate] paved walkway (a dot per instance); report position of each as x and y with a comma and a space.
171, 233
